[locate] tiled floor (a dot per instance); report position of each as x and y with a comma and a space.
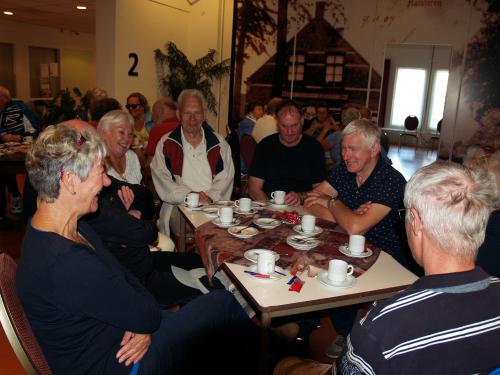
407, 161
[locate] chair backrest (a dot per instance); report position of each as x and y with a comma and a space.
440, 122
247, 149
15, 323
411, 123
384, 141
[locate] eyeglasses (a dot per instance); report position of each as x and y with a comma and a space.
402, 213
132, 106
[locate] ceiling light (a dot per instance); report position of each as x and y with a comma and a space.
7, 13
81, 7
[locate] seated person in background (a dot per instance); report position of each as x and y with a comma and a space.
138, 107
323, 125
288, 161
16, 121
90, 96
266, 125
433, 326
115, 128
192, 157
89, 314
309, 117
333, 142
165, 120
100, 107
255, 111
488, 256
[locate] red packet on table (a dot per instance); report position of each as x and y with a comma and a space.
296, 285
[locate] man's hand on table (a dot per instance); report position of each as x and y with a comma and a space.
293, 199
133, 347
316, 198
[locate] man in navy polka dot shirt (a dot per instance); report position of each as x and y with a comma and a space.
363, 178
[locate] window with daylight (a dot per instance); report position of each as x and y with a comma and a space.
334, 68
296, 65
438, 94
409, 92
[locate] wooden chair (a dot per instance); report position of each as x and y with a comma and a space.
15, 323
411, 130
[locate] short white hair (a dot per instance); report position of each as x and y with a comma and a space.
190, 93
454, 205
117, 116
366, 129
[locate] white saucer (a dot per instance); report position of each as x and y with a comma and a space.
210, 211
302, 242
243, 231
196, 208
225, 203
277, 205
298, 228
251, 212
347, 283
252, 254
217, 222
274, 276
257, 205
344, 249
267, 222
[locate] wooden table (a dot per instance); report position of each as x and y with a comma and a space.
272, 298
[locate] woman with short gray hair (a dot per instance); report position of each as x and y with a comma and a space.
89, 314
115, 128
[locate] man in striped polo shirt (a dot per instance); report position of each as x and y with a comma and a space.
447, 322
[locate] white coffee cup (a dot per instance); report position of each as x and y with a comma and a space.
278, 196
265, 263
356, 244
308, 223
338, 270
226, 215
243, 204
192, 199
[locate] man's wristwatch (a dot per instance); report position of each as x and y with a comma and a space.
330, 201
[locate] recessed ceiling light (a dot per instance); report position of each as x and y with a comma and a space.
81, 7
7, 13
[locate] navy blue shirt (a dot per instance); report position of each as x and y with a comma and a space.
384, 186
80, 301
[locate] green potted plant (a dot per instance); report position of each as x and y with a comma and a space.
182, 74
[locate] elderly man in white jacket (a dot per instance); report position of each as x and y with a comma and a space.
191, 158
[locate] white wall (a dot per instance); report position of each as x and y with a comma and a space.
79, 49
132, 26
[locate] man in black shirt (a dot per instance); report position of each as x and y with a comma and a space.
288, 160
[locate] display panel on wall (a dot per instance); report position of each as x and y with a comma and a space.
332, 51
7, 77
44, 72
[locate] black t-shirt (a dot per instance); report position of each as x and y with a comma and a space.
288, 168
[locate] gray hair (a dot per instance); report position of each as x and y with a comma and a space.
454, 204
366, 129
115, 117
190, 93
348, 115
58, 149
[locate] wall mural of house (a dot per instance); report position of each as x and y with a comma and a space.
334, 51
320, 66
